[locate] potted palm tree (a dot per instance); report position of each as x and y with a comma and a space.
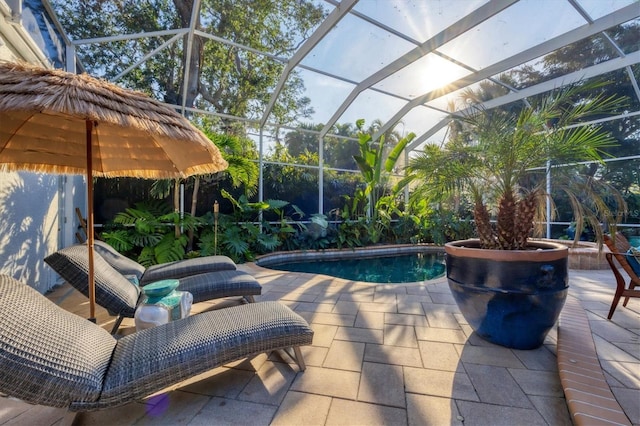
509, 287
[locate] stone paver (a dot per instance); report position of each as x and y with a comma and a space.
382, 384
345, 355
489, 355
269, 385
228, 412
373, 320
325, 381
440, 356
364, 335
393, 355
479, 414
441, 335
424, 410
542, 383
553, 410
302, 409
323, 334
495, 385
384, 354
439, 383
400, 335
349, 413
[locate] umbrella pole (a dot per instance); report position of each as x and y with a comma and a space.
91, 278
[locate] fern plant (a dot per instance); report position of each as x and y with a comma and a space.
244, 234
148, 234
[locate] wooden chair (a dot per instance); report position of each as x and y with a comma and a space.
618, 246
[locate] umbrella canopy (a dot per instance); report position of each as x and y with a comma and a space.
53, 121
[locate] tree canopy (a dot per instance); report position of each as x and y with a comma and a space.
223, 78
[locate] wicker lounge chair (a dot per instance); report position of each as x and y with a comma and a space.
51, 357
618, 250
120, 297
178, 269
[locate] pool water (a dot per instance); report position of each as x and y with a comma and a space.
402, 268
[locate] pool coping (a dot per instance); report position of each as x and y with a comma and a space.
588, 395
332, 254
585, 256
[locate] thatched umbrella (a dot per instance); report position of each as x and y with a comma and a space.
52, 121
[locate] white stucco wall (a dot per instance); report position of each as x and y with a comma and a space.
37, 217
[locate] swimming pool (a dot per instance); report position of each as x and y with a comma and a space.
397, 265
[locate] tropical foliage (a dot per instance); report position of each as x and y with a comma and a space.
361, 207
497, 157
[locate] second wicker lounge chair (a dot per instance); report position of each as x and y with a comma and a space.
177, 269
120, 296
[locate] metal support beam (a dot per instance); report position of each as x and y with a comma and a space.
546, 86
475, 18
616, 18
320, 174
327, 25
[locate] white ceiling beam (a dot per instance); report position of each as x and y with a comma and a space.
129, 36
147, 56
327, 25
616, 18
240, 46
475, 18
558, 82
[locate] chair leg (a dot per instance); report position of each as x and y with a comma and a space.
620, 285
249, 298
299, 358
632, 287
614, 304
117, 324
68, 418
296, 356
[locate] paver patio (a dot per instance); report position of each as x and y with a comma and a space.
382, 354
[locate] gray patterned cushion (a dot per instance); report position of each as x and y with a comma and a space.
153, 359
186, 267
214, 285
113, 290
170, 270
120, 263
48, 356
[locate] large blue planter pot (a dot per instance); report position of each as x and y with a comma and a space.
509, 297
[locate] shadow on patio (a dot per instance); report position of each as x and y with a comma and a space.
382, 354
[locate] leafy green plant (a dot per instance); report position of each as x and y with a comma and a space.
244, 233
149, 233
376, 169
495, 154
317, 235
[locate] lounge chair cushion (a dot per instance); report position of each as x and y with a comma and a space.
170, 270
113, 290
119, 262
187, 267
215, 285
120, 297
633, 257
49, 356
185, 348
